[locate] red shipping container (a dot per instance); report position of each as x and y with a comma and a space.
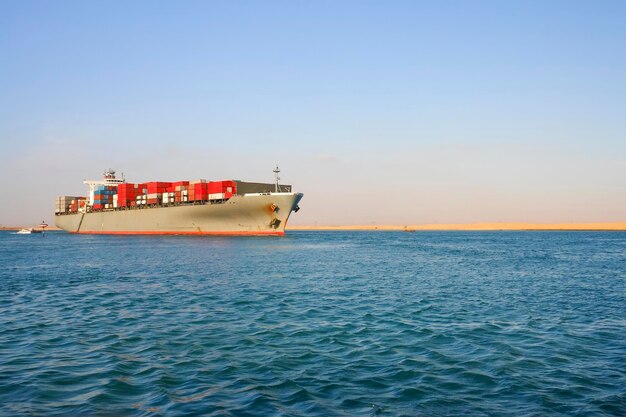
232, 185
214, 187
132, 191
157, 187
127, 186
226, 186
229, 186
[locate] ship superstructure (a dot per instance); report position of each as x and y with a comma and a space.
109, 180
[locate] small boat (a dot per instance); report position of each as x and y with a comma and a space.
28, 231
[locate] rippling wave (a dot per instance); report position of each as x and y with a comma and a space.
315, 323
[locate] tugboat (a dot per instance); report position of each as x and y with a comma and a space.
32, 230
28, 231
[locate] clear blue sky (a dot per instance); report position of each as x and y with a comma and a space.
380, 112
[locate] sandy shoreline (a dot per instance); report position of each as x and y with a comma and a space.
612, 226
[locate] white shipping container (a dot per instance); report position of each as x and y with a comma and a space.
216, 196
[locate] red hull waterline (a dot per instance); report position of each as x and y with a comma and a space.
242, 233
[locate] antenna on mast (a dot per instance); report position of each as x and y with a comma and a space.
277, 178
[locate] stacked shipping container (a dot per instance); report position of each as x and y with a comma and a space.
69, 204
157, 193
127, 194
77, 203
63, 203
103, 196
221, 190
180, 190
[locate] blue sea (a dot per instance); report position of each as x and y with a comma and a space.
314, 324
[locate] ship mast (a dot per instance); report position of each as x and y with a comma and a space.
277, 178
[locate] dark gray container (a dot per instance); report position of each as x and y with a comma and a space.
260, 187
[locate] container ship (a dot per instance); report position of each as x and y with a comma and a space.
199, 207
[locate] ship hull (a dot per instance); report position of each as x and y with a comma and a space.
250, 214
